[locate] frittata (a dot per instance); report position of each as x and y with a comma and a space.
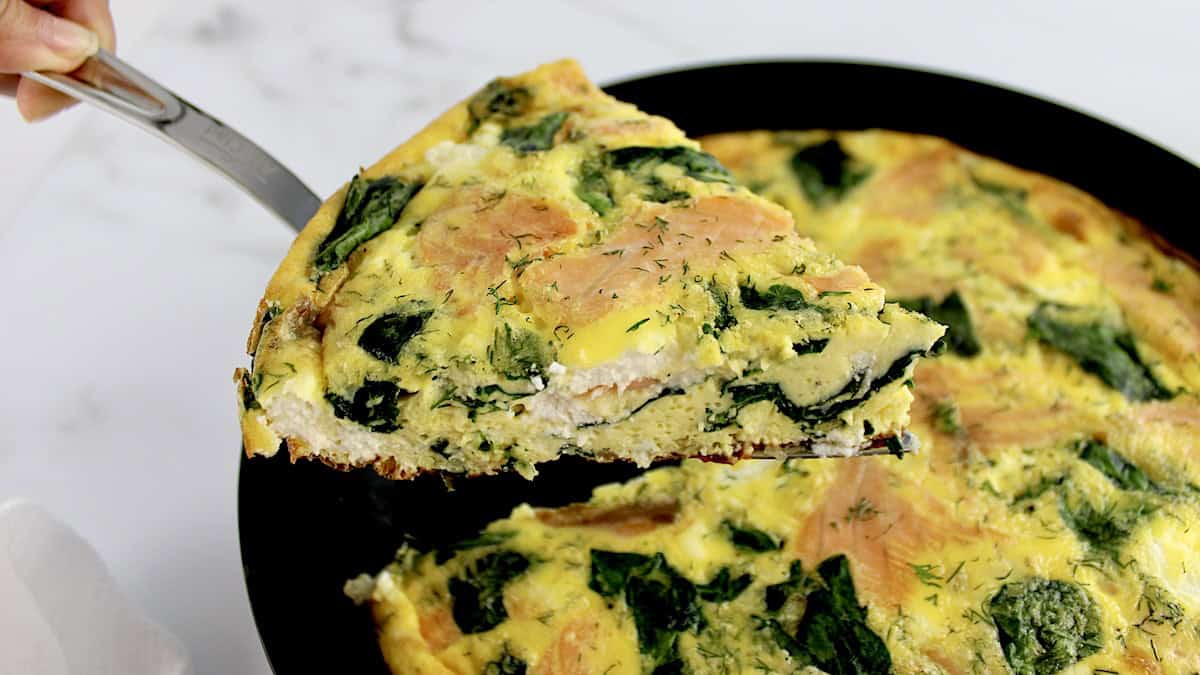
545, 270
1048, 524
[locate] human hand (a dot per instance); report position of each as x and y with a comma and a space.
55, 35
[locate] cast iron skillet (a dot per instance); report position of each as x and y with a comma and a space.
306, 529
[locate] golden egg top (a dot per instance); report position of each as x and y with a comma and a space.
1047, 525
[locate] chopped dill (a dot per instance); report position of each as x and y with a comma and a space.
636, 325
926, 575
519, 238
956, 571
863, 509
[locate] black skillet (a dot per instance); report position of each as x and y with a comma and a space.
306, 529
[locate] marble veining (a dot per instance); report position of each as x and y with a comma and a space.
133, 272
226, 24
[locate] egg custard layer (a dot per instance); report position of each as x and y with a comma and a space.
545, 270
1048, 524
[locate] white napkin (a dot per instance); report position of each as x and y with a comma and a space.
61, 613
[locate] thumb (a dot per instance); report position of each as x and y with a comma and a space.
32, 39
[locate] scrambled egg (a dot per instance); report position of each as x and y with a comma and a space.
1048, 524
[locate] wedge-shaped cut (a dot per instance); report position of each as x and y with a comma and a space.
545, 270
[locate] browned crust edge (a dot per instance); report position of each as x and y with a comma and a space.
386, 466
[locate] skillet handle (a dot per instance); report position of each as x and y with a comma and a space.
116, 87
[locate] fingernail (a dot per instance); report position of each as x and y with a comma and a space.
69, 38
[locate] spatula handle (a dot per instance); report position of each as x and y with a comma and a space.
113, 85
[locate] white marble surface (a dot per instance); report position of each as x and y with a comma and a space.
29, 151
132, 273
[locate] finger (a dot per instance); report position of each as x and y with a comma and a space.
32, 39
8, 84
36, 101
93, 14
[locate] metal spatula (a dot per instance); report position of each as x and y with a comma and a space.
113, 85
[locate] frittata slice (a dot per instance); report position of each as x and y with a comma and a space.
545, 270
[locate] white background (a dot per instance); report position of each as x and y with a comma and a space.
131, 273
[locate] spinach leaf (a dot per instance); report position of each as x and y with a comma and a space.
592, 187
479, 596
1039, 488
641, 162
673, 665
481, 400
798, 582
951, 311
666, 392
833, 633
663, 603
610, 570
1098, 348
375, 405
273, 310
371, 207
834, 630
785, 641
815, 346
1123, 473
1045, 625
507, 664
518, 354
384, 337
724, 317
660, 192
826, 173
750, 539
444, 553
497, 98
855, 391
535, 137
249, 400
695, 163
1105, 529
1013, 200
778, 296
724, 586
